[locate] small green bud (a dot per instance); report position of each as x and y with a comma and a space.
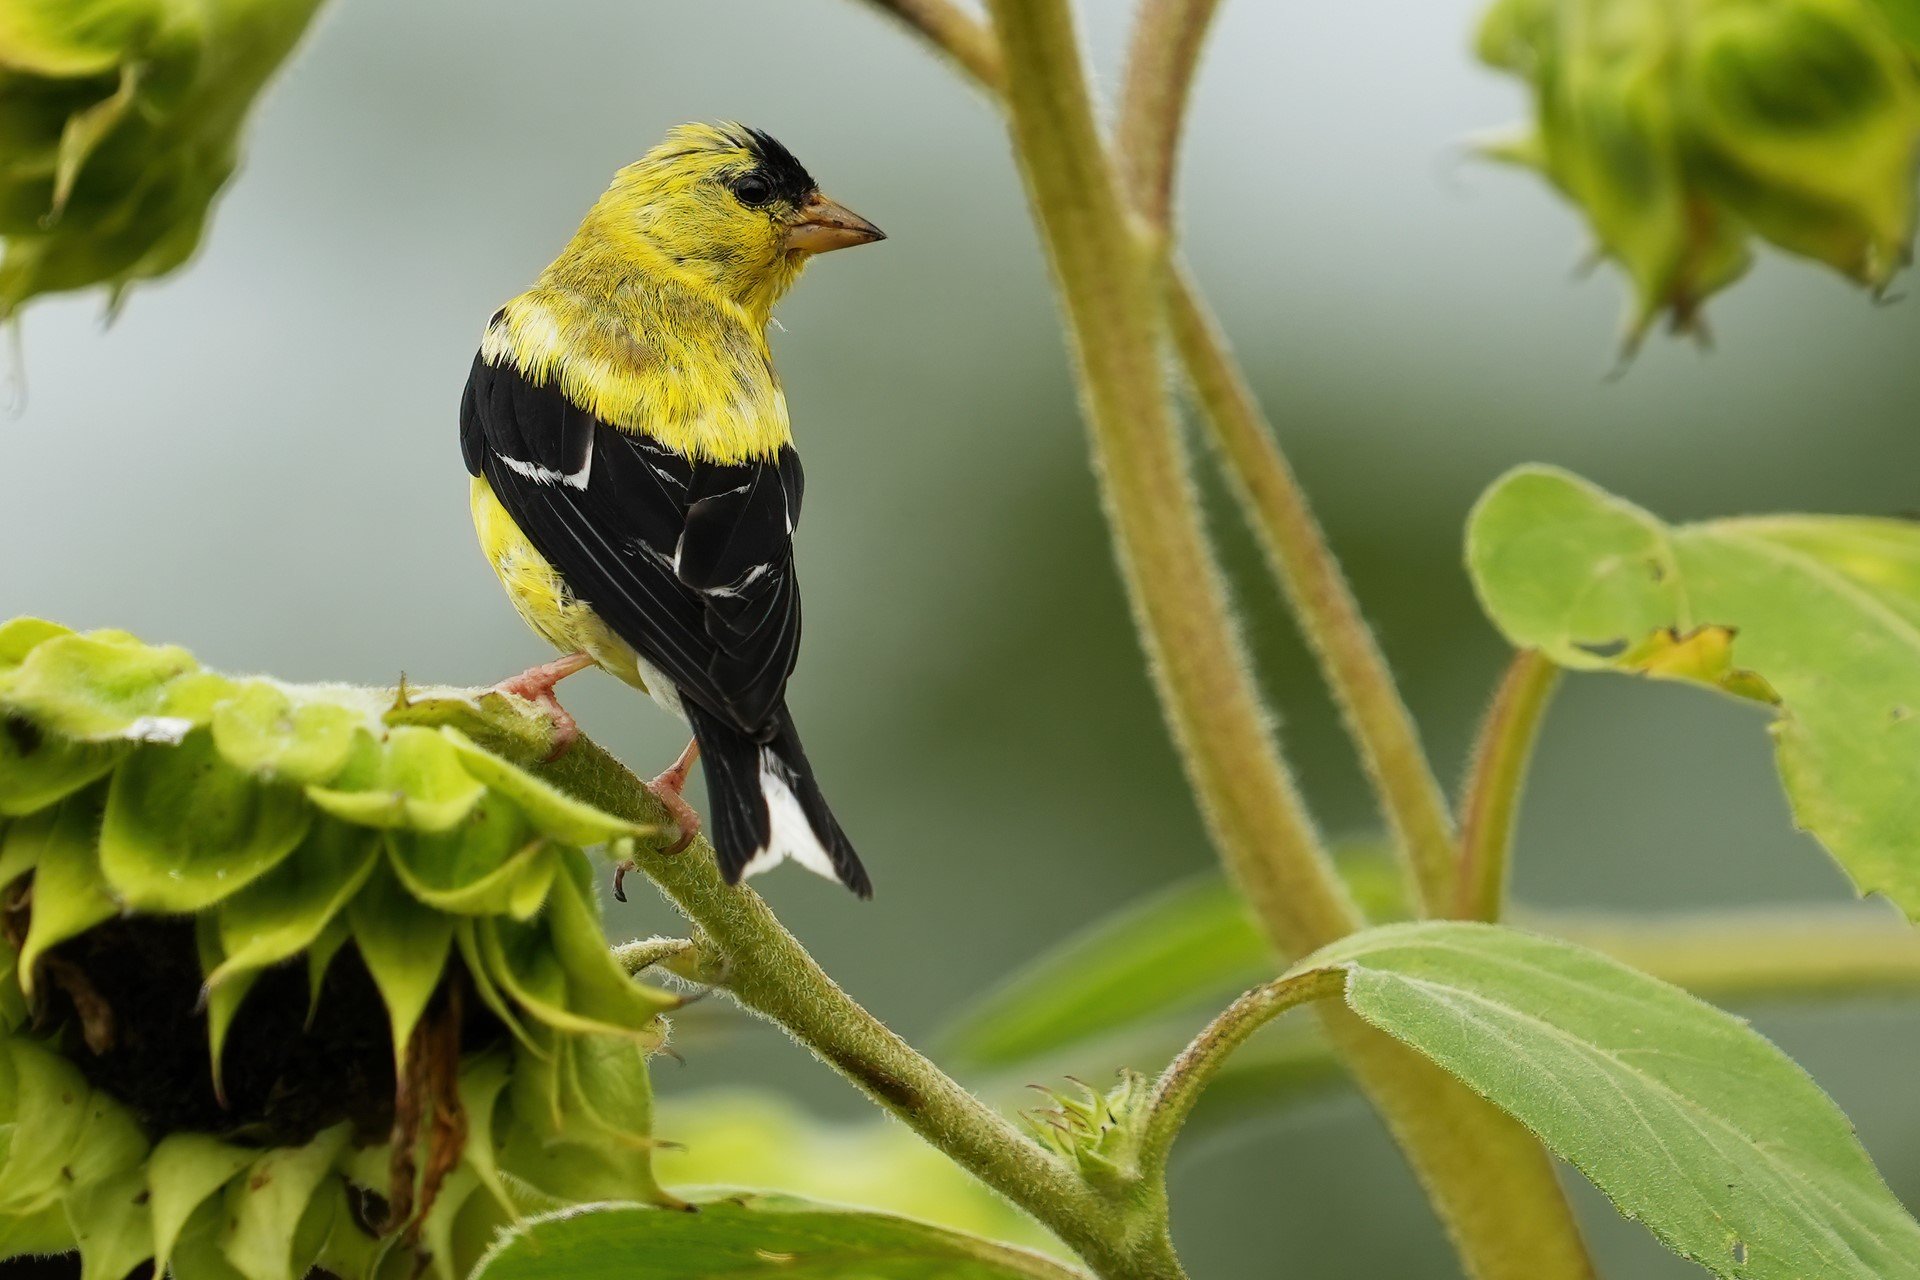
1686, 128
1100, 1132
119, 123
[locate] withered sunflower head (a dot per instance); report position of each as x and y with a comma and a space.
295, 977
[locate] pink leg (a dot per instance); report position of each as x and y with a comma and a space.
535, 684
667, 788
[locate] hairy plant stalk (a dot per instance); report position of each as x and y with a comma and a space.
1493, 1184
1768, 953
1490, 805
1163, 56
1180, 604
953, 32
1161, 60
1296, 548
769, 973
1186, 1078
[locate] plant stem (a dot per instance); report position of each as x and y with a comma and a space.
1491, 803
1161, 60
1801, 953
1492, 1183
1180, 605
1179, 1087
769, 973
953, 32
1329, 616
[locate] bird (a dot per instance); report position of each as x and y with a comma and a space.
634, 482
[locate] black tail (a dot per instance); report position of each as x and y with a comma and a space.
764, 806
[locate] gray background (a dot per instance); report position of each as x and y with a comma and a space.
258, 460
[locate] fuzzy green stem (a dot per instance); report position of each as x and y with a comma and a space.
1164, 54
1180, 1086
769, 973
1490, 805
1786, 953
953, 32
1199, 665
1491, 1181
1161, 61
1363, 686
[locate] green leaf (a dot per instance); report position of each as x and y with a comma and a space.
37, 770
753, 1235
482, 1081
267, 731
405, 945
65, 1134
1188, 942
1818, 616
184, 829
554, 812
20, 636
97, 687
1904, 16
1193, 942
68, 895
223, 1000
558, 969
1682, 1115
414, 780
477, 867
112, 1225
47, 1111
183, 1172
283, 912
266, 1233
43, 1232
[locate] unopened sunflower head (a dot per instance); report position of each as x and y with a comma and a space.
1686, 128
119, 122
295, 977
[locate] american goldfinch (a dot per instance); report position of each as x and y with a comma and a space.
635, 484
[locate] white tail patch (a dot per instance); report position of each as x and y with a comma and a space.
790, 835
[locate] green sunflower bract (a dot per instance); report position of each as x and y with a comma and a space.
1684, 129
296, 977
119, 123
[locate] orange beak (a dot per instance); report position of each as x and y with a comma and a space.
825, 225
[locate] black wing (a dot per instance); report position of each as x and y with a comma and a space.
691, 563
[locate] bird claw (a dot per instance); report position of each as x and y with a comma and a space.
535, 685
667, 788
566, 730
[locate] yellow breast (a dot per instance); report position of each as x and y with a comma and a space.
541, 595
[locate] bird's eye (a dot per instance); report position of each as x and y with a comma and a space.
752, 190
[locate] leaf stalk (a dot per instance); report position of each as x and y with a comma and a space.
1490, 807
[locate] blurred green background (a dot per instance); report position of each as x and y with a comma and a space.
258, 460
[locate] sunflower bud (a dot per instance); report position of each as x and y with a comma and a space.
1686, 128
119, 122
295, 978
1099, 1132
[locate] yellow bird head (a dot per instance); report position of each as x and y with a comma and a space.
726, 205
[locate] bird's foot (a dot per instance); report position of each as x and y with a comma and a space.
667, 789
535, 684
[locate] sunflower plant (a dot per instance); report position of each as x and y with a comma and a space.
312, 980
